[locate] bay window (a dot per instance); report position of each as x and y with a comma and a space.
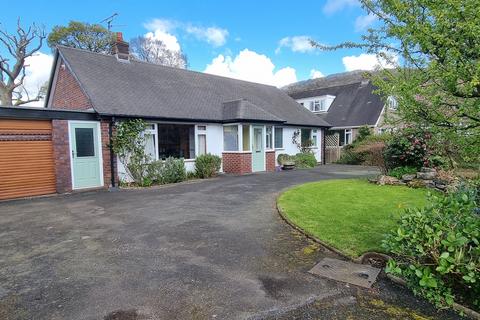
246, 137
230, 138
278, 138
269, 136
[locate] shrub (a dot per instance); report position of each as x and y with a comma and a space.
437, 249
374, 154
173, 170
398, 172
207, 165
350, 156
408, 147
305, 160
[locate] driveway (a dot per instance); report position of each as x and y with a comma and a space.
201, 250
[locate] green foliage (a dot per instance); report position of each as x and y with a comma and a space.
437, 249
305, 160
303, 146
92, 37
128, 144
363, 133
408, 147
207, 165
398, 172
437, 86
173, 171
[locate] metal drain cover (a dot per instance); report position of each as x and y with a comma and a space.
349, 272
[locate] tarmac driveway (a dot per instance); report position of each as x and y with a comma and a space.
202, 250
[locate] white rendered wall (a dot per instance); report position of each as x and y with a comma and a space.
291, 149
214, 134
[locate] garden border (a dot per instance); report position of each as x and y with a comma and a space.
457, 307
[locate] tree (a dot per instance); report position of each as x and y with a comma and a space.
155, 51
92, 37
438, 42
25, 43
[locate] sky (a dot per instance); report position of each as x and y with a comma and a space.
260, 41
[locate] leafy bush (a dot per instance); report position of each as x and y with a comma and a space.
350, 156
305, 160
173, 171
398, 172
437, 249
373, 152
408, 147
207, 165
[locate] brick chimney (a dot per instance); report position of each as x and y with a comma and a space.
121, 48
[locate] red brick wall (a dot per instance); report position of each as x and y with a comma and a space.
270, 158
237, 163
106, 156
61, 153
67, 93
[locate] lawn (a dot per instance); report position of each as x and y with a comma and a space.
350, 215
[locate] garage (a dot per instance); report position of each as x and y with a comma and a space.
26, 158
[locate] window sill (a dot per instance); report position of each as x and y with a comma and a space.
279, 149
237, 151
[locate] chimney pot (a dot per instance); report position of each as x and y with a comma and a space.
121, 48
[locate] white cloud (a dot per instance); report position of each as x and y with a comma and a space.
161, 29
215, 36
333, 6
363, 22
251, 66
37, 72
316, 74
366, 61
296, 44
164, 29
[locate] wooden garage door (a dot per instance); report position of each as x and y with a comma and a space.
26, 158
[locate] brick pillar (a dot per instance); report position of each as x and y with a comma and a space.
237, 162
61, 153
107, 176
270, 161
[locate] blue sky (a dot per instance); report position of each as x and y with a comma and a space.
264, 41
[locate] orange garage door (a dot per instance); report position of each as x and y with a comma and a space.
26, 158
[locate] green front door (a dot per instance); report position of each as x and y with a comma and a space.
258, 151
85, 155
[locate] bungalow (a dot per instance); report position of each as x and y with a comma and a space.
188, 114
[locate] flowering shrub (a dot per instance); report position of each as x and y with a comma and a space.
408, 148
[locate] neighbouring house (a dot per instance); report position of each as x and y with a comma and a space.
188, 114
347, 101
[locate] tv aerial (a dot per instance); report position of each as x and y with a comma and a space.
109, 21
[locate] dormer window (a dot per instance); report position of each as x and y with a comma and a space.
392, 103
317, 104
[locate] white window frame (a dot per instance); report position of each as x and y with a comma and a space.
392, 103
239, 137
153, 132
271, 147
200, 130
314, 137
348, 132
274, 136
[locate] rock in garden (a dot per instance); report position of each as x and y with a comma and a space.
426, 175
425, 170
416, 183
408, 177
387, 180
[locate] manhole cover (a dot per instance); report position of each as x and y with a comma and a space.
349, 272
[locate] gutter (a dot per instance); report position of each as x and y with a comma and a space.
112, 162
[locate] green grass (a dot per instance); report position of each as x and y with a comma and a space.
350, 215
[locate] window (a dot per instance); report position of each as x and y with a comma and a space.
246, 137
84, 143
175, 140
268, 132
202, 144
314, 138
306, 137
278, 138
302, 104
201, 128
230, 138
348, 136
392, 103
150, 136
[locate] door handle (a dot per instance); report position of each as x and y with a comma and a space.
73, 154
